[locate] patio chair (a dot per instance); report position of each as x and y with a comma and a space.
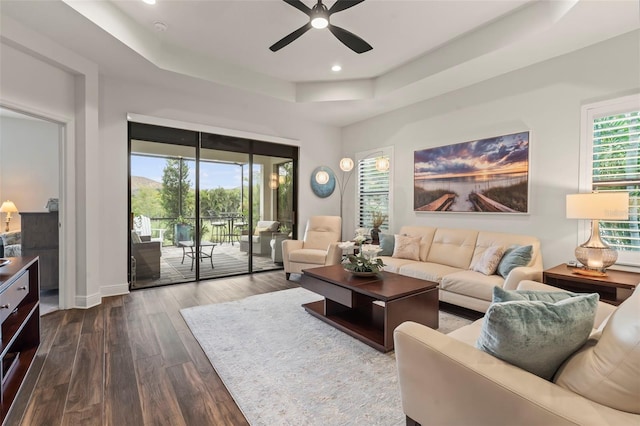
142, 226
261, 238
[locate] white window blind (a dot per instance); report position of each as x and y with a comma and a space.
373, 192
614, 136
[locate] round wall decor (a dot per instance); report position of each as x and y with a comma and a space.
322, 174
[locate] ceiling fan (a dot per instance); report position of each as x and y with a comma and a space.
319, 18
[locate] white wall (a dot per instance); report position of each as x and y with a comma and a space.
545, 99
29, 164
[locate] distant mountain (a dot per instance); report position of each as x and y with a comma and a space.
138, 182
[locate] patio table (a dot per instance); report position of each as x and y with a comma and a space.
192, 253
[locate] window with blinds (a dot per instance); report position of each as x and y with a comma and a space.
615, 166
373, 193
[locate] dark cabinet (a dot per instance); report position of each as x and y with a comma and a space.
40, 238
20, 326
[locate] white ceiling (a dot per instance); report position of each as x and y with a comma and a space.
421, 48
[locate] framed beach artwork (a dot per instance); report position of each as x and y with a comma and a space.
487, 175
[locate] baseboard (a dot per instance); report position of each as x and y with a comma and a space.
114, 290
85, 302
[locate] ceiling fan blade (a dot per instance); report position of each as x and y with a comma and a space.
299, 5
350, 40
291, 37
340, 5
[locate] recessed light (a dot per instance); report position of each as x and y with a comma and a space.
149, 1
336, 68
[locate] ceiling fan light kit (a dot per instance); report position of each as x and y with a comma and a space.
319, 17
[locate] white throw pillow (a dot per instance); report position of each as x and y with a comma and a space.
407, 247
489, 261
607, 370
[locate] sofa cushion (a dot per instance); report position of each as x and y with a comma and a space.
513, 257
306, 255
392, 264
427, 270
488, 262
607, 370
406, 247
426, 232
453, 247
11, 238
468, 334
387, 243
535, 335
472, 284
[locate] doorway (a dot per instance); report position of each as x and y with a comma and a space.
205, 205
30, 178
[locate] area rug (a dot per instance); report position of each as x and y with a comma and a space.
284, 367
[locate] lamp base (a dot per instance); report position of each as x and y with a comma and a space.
596, 259
588, 272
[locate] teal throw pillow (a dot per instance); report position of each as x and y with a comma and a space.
537, 335
513, 257
387, 242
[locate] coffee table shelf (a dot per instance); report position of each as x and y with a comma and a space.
370, 308
353, 325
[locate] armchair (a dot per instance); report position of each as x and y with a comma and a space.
11, 244
319, 247
261, 237
445, 380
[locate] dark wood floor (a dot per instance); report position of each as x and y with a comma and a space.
133, 361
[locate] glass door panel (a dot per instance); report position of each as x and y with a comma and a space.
162, 213
272, 210
223, 212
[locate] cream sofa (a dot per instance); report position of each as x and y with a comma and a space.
445, 380
447, 254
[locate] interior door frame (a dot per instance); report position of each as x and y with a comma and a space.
67, 213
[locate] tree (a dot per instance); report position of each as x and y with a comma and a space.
175, 189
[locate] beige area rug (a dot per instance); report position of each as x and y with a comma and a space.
284, 367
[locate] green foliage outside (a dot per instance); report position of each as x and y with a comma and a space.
513, 196
616, 159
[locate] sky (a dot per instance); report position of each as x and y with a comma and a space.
213, 175
506, 154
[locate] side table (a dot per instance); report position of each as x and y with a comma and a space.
613, 288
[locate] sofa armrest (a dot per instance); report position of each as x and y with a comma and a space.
519, 274
446, 382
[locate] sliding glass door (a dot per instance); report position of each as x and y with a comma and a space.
204, 206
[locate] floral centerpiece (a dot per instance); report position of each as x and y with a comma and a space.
365, 262
361, 236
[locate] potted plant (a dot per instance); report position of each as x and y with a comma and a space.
183, 230
378, 220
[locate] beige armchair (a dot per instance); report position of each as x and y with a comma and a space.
319, 247
445, 380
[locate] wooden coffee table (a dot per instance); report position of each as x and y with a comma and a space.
370, 308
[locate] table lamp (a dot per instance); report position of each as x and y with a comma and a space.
595, 255
8, 207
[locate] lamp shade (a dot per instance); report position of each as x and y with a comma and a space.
8, 207
346, 164
598, 205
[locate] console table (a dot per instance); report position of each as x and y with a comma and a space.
20, 319
613, 288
